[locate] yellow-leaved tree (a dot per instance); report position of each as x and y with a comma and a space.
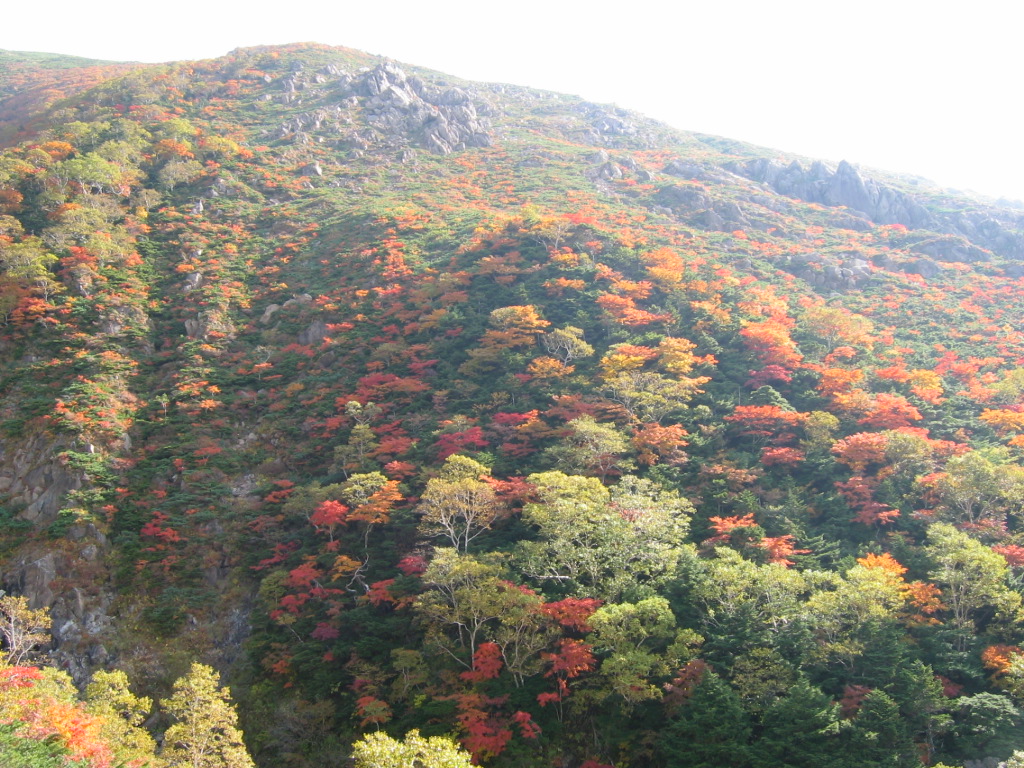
206, 734
378, 750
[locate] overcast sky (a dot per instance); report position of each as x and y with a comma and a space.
930, 88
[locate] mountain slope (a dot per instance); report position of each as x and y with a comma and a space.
421, 403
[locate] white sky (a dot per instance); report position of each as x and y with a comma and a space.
931, 88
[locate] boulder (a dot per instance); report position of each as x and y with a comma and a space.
926, 268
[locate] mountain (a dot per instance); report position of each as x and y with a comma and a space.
408, 402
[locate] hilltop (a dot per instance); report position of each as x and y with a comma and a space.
412, 402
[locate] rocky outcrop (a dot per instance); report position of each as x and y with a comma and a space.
926, 268
609, 124
686, 169
683, 198
67, 580
314, 334
843, 186
118, 319
34, 478
951, 248
442, 120
604, 125
983, 228
826, 274
397, 108
210, 322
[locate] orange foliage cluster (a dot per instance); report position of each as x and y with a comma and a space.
45, 717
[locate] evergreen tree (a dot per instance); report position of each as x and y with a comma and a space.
880, 736
800, 730
711, 730
987, 725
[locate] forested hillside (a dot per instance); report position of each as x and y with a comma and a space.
408, 403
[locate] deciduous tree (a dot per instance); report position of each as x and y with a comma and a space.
22, 628
378, 750
458, 504
205, 734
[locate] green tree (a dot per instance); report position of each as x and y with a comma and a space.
566, 344
470, 602
752, 605
378, 750
177, 172
633, 638
464, 598
591, 448
760, 678
122, 714
711, 729
880, 736
848, 611
978, 486
18, 751
458, 504
973, 577
648, 396
92, 173
987, 725
595, 543
206, 733
799, 730
28, 263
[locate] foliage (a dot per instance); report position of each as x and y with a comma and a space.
378, 750
205, 734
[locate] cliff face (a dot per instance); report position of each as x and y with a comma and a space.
471, 407
982, 230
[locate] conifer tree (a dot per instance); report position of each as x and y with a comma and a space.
711, 730
799, 730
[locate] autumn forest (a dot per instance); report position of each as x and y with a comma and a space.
351, 413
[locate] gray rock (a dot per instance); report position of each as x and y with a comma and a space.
613, 125
269, 312
926, 268
118, 318
193, 281
684, 170
628, 163
732, 214
951, 248
988, 229
403, 108
691, 198
609, 171
314, 334
33, 575
713, 221
245, 486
